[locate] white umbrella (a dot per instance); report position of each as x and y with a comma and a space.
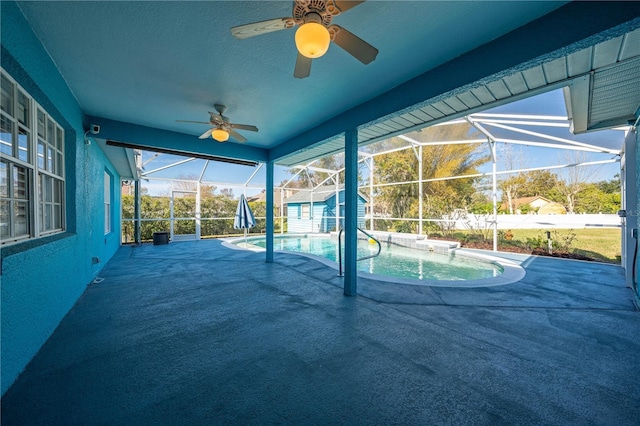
244, 217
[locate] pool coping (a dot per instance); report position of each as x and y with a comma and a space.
512, 271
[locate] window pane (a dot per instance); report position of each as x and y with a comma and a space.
6, 136
4, 180
59, 166
41, 150
107, 219
59, 139
23, 109
50, 158
51, 135
19, 182
57, 191
57, 217
107, 187
6, 100
47, 191
21, 218
23, 144
41, 120
4, 218
47, 223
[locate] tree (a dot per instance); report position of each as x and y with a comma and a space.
610, 186
439, 160
511, 184
312, 177
511, 188
190, 183
537, 183
527, 184
576, 179
592, 199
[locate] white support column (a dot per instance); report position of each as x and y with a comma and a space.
137, 213
281, 211
337, 208
494, 195
420, 191
371, 201
628, 173
418, 154
198, 212
311, 211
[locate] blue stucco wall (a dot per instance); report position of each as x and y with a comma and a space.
43, 278
636, 271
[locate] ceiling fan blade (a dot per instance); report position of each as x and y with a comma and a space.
244, 127
345, 5
358, 48
189, 121
262, 27
237, 136
303, 67
206, 134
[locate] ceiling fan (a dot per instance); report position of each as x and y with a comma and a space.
222, 128
315, 32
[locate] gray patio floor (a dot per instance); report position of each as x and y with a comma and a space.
195, 333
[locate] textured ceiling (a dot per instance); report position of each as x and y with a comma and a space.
151, 63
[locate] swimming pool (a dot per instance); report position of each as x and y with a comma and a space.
400, 263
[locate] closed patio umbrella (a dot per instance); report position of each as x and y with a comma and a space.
244, 217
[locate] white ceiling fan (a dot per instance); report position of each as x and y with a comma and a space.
222, 127
315, 33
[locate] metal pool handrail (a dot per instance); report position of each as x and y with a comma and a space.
340, 274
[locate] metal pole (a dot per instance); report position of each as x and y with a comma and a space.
281, 211
269, 213
420, 196
371, 201
137, 232
494, 195
351, 212
198, 208
337, 181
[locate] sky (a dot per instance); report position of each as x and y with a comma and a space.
550, 103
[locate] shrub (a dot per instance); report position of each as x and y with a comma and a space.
404, 227
559, 242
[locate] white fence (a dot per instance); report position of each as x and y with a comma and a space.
534, 221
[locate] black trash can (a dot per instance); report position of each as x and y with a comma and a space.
160, 238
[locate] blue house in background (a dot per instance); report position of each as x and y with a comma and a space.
316, 211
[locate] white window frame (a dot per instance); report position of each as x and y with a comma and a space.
32, 173
107, 202
305, 211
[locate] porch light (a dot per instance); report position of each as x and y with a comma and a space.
312, 40
220, 135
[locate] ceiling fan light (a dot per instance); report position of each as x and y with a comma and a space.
312, 40
220, 135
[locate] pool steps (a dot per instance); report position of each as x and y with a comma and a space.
417, 242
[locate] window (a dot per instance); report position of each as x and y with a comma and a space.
304, 211
31, 167
107, 203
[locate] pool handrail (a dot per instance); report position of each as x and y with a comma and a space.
340, 274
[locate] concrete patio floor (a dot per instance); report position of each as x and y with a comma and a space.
195, 333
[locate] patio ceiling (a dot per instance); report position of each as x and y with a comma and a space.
137, 67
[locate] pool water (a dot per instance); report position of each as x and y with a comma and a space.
393, 260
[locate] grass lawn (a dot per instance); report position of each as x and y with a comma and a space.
602, 244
